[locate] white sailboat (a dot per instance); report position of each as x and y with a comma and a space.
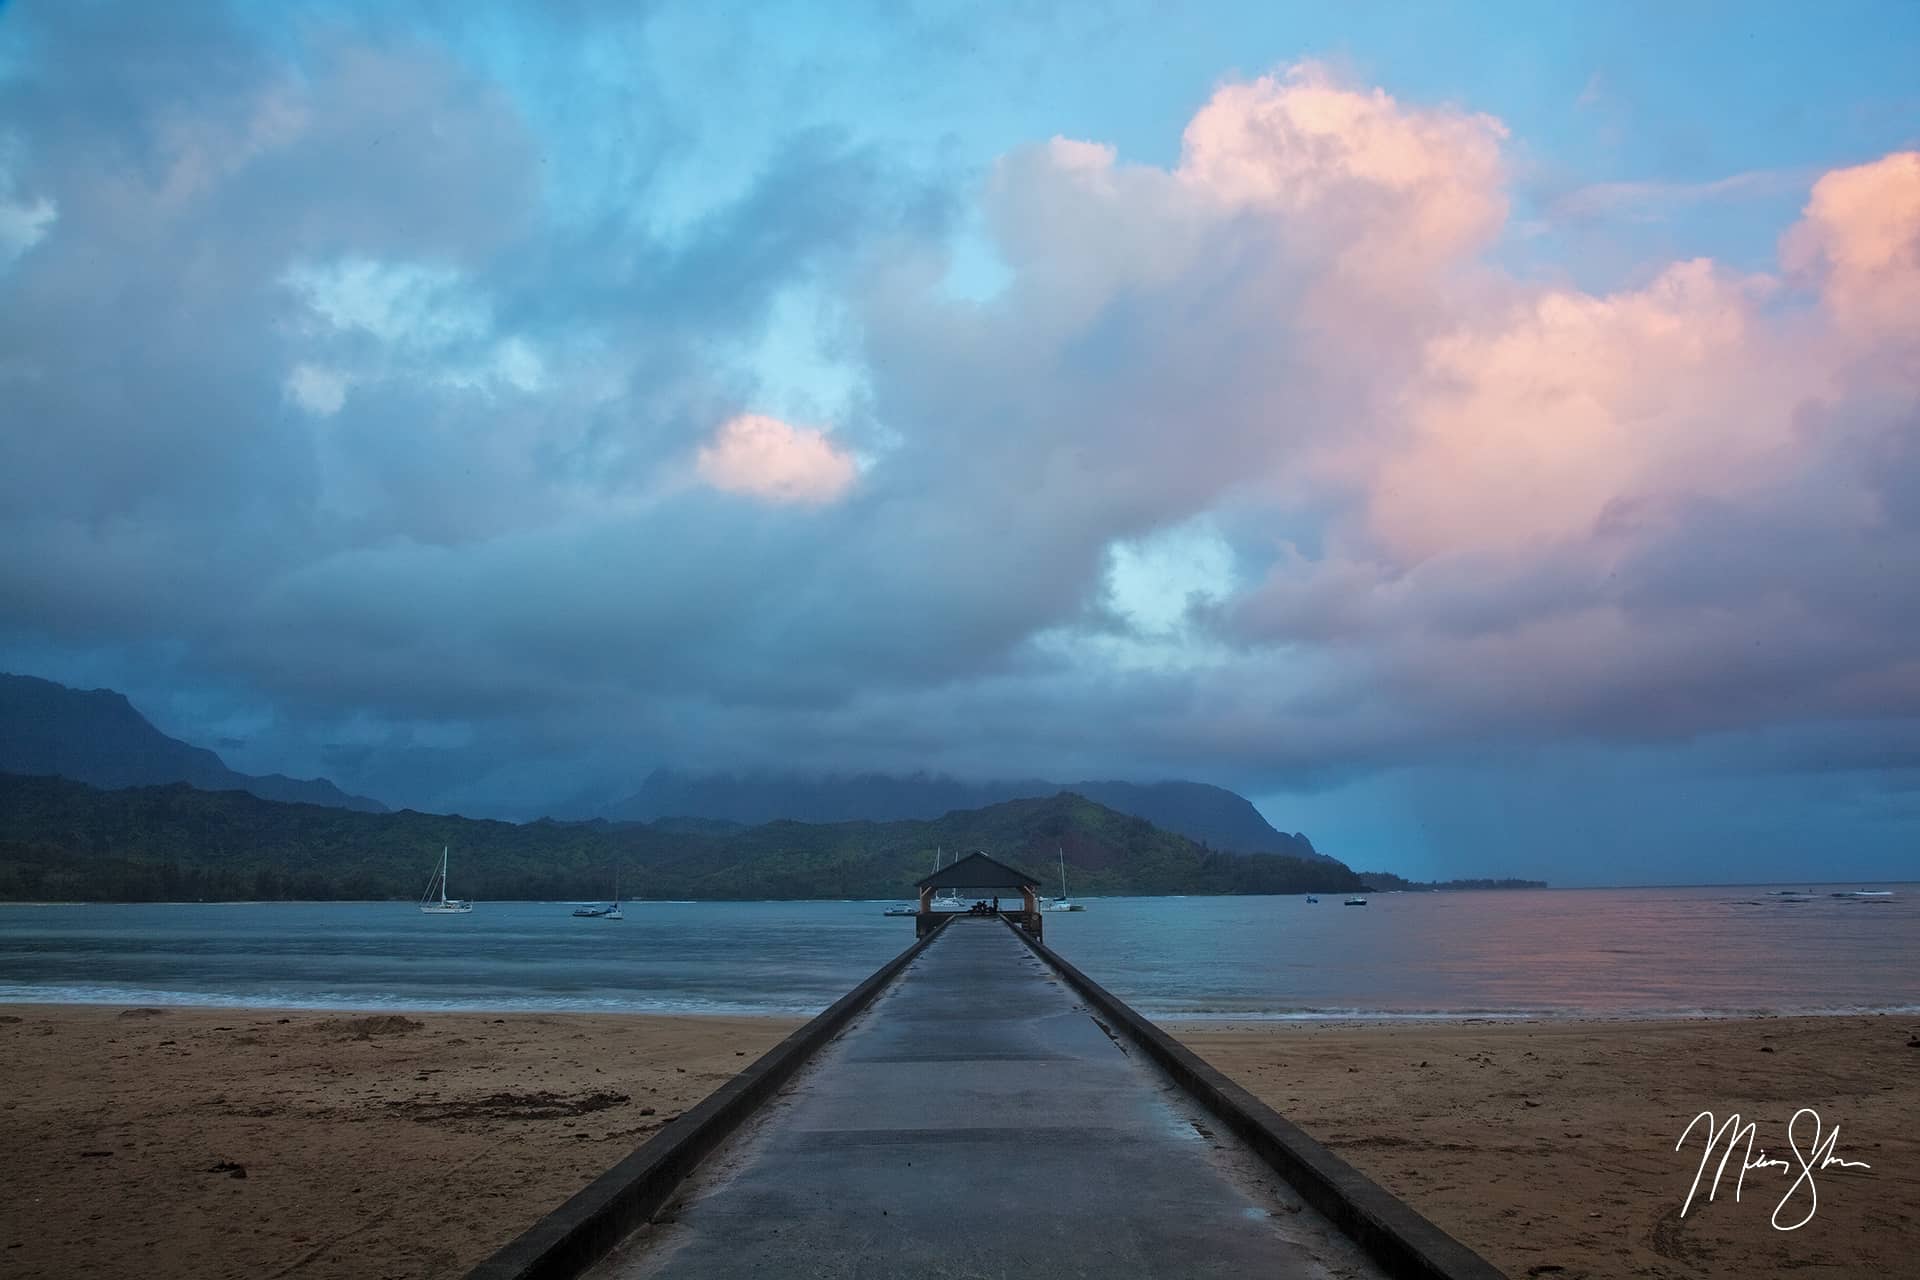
609, 912
949, 899
435, 902
1061, 903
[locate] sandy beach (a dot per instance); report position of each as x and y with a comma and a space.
261, 1143
246, 1142
1549, 1147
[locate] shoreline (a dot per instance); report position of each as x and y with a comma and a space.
1817, 888
415, 1143
1174, 1023
1651, 1017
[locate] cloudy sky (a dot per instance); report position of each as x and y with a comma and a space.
1488, 438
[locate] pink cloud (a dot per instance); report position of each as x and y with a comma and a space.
1470, 493
768, 459
1860, 236
1532, 418
1336, 187
1526, 423
1414, 187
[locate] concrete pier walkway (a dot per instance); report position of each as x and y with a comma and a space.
976, 1120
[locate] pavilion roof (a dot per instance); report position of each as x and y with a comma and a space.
978, 871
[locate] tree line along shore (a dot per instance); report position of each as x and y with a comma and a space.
65, 841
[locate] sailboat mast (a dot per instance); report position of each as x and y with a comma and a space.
443, 873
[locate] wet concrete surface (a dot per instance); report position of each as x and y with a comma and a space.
976, 1120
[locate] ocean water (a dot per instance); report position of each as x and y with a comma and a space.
1549, 953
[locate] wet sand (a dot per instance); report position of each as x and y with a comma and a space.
416, 1145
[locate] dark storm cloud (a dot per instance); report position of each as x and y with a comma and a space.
225, 219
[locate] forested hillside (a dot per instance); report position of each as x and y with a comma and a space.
62, 840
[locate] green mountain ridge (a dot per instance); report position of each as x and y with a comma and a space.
98, 737
1200, 811
63, 840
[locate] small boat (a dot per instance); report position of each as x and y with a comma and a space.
948, 899
901, 909
1355, 902
1311, 899
441, 905
609, 912
1865, 893
1061, 903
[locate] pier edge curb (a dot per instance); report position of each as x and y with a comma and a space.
582, 1231
1404, 1243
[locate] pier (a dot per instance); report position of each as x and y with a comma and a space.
981, 1108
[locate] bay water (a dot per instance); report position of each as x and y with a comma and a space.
1654, 952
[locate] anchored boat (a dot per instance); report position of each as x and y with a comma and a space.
435, 902
609, 912
949, 899
1061, 903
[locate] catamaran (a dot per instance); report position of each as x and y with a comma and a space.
435, 902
